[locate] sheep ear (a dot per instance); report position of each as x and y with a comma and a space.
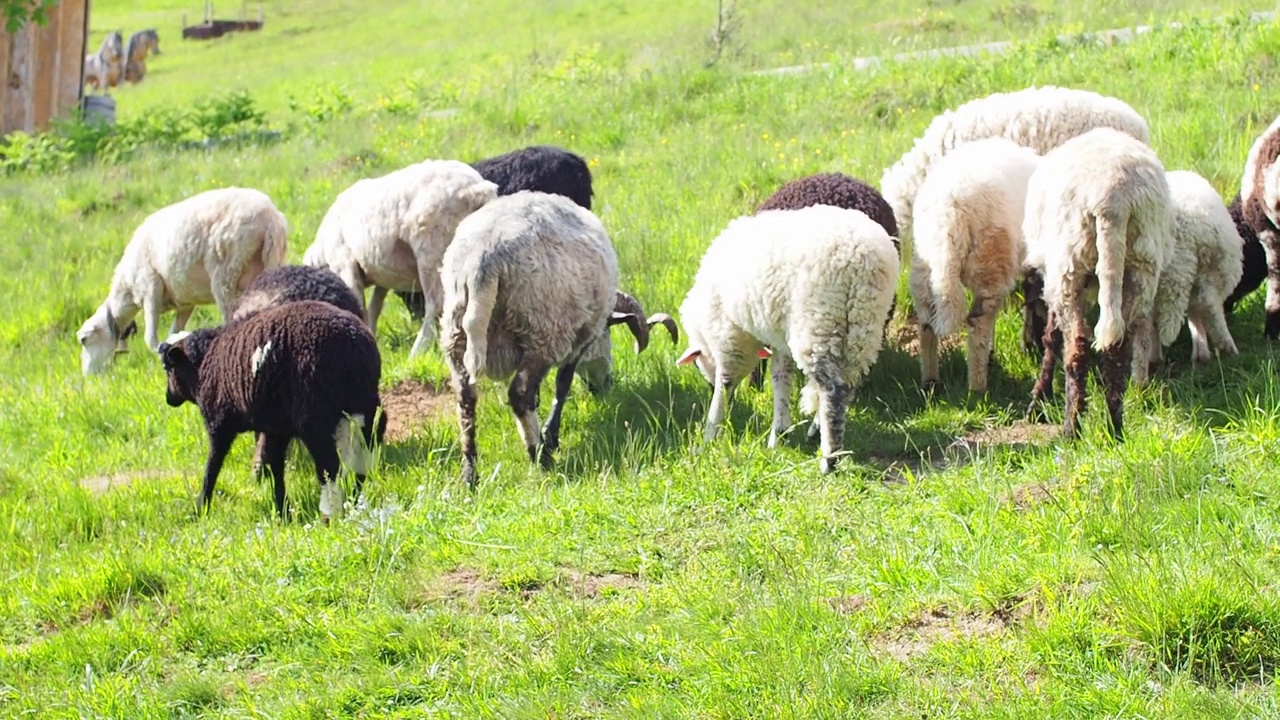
171, 355
688, 356
763, 353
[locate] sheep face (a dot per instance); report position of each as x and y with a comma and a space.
181, 360
99, 339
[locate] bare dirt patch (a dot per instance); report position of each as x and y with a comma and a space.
907, 338
939, 625
411, 403
101, 484
1027, 496
848, 604
1021, 433
591, 585
460, 584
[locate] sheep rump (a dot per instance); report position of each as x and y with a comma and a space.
303, 369
544, 168
530, 283
1040, 118
1098, 214
204, 249
968, 234
814, 284
391, 232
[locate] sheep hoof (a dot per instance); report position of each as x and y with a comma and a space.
1035, 413
828, 465
468, 475
931, 387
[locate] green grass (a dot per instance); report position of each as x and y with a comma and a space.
638, 578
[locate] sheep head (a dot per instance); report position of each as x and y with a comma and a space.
181, 355
596, 367
99, 338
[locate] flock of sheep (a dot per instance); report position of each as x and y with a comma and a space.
1054, 189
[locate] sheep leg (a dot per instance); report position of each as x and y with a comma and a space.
273, 449
523, 397
982, 337
427, 332
720, 398
833, 396
1200, 353
1116, 362
224, 294
219, 445
180, 318
1034, 313
551, 431
259, 448
1076, 360
757, 374
374, 309
1214, 320
467, 429
929, 373
1043, 390
783, 365
324, 453
151, 318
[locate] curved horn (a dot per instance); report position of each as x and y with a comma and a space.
627, 309
667, 322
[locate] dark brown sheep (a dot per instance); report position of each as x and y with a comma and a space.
303, 369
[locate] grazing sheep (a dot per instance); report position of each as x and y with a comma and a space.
544, 168
968, 234
1040, 118
302, 369
1254, 266
530, 283
204, 249
291, 283
1200, 271
391, 232
1098, 217
814, 284
1260, 204
837, 190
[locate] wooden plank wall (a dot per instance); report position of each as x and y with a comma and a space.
42, 68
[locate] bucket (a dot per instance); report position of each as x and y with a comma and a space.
100, 109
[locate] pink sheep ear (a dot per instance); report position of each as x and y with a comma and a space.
764, 352
688, 356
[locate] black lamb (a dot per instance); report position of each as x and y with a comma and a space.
1255, 258
544, 168
302, 369
841, 191
291, 283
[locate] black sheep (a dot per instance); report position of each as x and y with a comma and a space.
291, 283
841, 191
302, 369
1264, 153
544, 168
1255, 258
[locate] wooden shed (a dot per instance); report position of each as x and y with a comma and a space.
42, 68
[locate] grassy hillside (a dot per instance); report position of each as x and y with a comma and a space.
962, 564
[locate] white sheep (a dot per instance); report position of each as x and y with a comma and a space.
815, 285
207, 248
1202, 269
1098, 219
530, 283
391, 232
1040, 118
968, 234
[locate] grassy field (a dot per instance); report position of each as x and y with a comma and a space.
962, 564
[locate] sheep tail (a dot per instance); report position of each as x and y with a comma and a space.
1111, 243
948, 293
478, 299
